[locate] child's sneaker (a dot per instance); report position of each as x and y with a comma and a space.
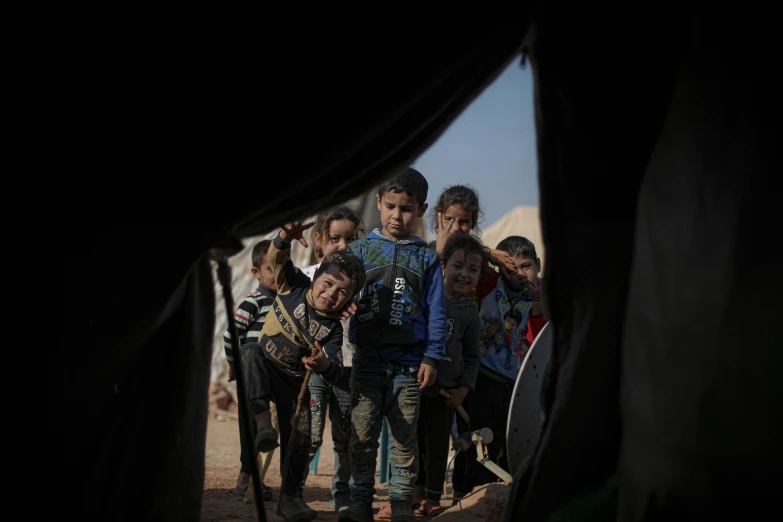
303, 505
266, 440
266, 492
292, 512
402, 511
358, 511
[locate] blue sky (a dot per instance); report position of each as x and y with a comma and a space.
490, 146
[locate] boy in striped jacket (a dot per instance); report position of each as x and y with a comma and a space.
249, 320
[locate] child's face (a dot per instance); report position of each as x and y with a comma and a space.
399, 212
341, 233
526, 269
462, 273
457, 219
332, 290
265, 275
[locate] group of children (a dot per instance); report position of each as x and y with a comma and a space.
393, 328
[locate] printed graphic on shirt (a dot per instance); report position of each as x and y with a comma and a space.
503, 328
402, 307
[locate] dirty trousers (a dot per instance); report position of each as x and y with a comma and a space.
265, 382
337, 397
381, 389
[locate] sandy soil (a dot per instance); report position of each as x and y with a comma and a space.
221, 501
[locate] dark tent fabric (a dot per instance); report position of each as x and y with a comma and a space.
202, 140
663, 274
656, 150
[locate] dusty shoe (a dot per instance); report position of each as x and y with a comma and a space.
292, 512
358, 511
266, 492
303, 505
242, 483
402, 511
266, 440
340, 503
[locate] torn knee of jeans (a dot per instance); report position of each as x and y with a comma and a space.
411, 395
363, 433
402, 459
405, 473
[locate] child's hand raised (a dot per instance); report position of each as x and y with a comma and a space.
500, 258
317, 362
444, 233
534, 288
294, 231
426, 375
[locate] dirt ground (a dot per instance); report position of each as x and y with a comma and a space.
221, 501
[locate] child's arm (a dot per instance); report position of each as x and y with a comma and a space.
435, 315
470, 352
470, 361
279, 256
534, 326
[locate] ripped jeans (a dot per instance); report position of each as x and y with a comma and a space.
337, 397
381, 389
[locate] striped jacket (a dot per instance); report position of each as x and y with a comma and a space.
250, 318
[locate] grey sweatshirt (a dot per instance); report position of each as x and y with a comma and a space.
462, 345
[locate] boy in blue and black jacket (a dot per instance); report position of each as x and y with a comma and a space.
400, 334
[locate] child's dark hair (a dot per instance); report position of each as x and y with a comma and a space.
259, 251
324, 221
516, 245
463, 195
470, 244
410, 181
348, 263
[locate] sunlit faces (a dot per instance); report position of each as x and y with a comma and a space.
399, 212
341, 233
526, 269
462, 272
332, 290
457, 219
265, 275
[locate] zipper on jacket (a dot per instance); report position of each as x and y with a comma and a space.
388, 306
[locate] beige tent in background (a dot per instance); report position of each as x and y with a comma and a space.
520, 221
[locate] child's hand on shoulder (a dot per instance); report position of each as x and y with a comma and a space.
457, 396
426, 375
294, 231
317, 362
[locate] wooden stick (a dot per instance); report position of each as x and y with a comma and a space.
291, 440
460, 409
